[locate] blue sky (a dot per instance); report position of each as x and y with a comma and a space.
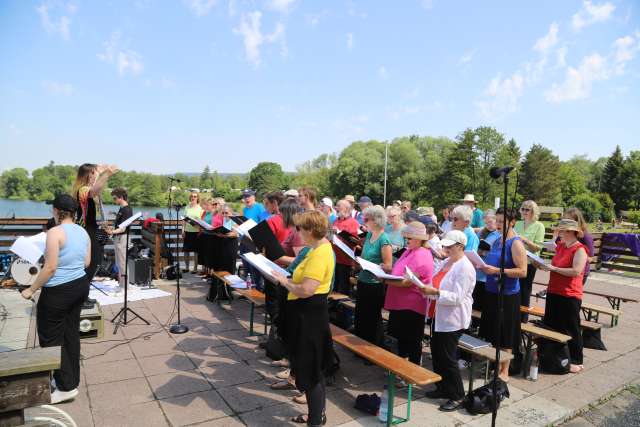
165, 86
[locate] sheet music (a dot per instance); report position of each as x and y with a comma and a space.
376, 270
343, 247
414, 279
27, 249
200, 222
536, 258
550, 245
130, 220
265, 266
246, 226
475, 259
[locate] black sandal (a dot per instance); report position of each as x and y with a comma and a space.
303, 419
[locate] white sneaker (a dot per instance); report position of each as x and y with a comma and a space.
62, 396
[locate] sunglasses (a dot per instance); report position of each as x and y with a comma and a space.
525, 210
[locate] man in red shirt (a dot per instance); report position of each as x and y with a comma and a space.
272, 202
344, 264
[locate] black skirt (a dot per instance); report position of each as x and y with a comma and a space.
190, 243
308, 339
510, 320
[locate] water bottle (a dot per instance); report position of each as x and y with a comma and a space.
384, 402
533, 369
248, 281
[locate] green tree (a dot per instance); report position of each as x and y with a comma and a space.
613, 179
206, 181
572, 183
360, 171
267, 176
590, 207
631, 179
457, 177
607, 212
14, 184
316, 173
539, 180
488, 145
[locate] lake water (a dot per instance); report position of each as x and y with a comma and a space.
31, 209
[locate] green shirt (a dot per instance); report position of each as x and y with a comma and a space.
534, 232
192, 212
372, 251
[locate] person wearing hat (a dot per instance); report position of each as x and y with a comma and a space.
451, 292
407, 307
326, 207
586, 239
476, 220
515, 268
564, 294
64, 288
461, 219
252, 209
291, 194
363, 203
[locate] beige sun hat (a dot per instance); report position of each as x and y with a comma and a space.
415, 230
567, 224
469, 198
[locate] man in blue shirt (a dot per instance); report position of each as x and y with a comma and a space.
476, 219
363, 203
461, 218
252, 209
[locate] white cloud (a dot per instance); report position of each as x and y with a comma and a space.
591, 13
501, 96
253, 38
60, 26
579, 81
467, 57
117, 53
281, 5
383, 73
544, 44
561, 57
350, 41
58, 88
200, 7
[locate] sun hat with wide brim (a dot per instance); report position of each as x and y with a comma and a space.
469, 198
566, 224
415, 230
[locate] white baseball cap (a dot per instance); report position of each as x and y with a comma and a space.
291, 193
327, 202
453, 237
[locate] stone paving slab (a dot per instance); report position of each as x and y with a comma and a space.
215, 375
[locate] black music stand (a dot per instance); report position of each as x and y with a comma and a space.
178, 328
122, 314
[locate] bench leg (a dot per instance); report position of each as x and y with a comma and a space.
251, 319
471, 364
527, 353
391, 391
265, 320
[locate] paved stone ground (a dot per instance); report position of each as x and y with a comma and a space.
215, 375
621, 410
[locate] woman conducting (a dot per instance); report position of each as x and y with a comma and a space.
370, 292
309, 342
452, 289
64, 287
564, 294
515, 268
407, 307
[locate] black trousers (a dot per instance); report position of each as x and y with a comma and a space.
368, 313
342, 275
407, 327
526, 284
444, 353
563, 315
97, 251
58, 322
316, 402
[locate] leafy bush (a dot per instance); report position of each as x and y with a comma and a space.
634, 217
607, 206
590, 207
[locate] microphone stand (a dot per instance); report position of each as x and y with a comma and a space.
176, 328
501, 280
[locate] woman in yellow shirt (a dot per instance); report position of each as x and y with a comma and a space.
307, 332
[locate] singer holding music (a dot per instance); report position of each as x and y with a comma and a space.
64, 287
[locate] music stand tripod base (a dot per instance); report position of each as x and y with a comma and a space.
178, 328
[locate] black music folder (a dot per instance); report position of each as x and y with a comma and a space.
264, 239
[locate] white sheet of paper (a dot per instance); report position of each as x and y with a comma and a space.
376, 270
414, 279
264, 265
536, 258
27, 250
343, 247
201, 223
130, 220
246, 226
550, 245
475, 259
40, 240
235, 281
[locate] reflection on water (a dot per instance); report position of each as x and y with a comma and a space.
31, 209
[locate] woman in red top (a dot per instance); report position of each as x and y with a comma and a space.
344, 264
564, 294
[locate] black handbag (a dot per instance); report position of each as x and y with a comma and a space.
481, 400
554, 357
275, 346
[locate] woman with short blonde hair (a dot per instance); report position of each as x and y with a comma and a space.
531, 232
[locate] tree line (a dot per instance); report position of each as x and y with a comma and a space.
429, 171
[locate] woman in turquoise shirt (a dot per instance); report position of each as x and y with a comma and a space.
371, 291
64, 287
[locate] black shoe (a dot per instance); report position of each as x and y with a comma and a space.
435, 394
450, 405
91, 300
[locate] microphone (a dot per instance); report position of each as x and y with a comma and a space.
497, 172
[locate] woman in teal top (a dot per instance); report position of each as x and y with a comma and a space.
531, 233
64, 287
394, 227
371, 291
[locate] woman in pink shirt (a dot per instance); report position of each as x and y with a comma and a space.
406, 304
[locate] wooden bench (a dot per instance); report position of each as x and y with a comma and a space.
25, 381
592, 313
539, 312
254, 296
396, 366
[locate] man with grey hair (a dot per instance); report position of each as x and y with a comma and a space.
344, 265
461, 220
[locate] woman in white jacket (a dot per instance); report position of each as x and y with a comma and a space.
452, 293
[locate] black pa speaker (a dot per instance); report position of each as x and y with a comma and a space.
140, 271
